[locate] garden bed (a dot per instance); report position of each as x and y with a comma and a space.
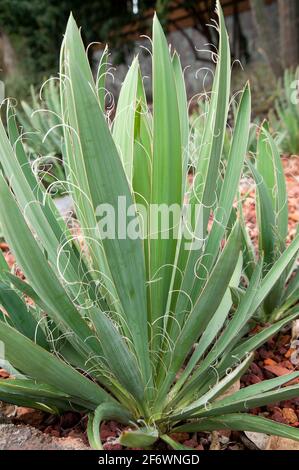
276, 358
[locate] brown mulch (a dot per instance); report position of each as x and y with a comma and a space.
274, 359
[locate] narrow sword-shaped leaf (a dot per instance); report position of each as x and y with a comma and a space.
239, 319
203, 310
103, 412
218, 389
34, 361
241, 422
101, 78
167, 160
207, 172
123, 124
106, 181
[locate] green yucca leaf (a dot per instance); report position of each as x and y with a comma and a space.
276, 271
142, 147
40, 209
207, 170
105, 411
174, 444
101, 78
240, 318
252, 398
285, 118
142, 161
270, 168
241, 422
264, 161
121, 361
106, 182
41, 121
167, 159
124, 121
213, 393
231, 180
143, 437
272, 216
3, 266
233, 355
35, 362
38, 271
293, 286
211, 332
20, 316
214, 135
40, 396
183, 112
266, 217
204, 309
252, 343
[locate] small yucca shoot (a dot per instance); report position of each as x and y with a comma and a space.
285, 117
272, 220
115, 318
39, 117
42, 133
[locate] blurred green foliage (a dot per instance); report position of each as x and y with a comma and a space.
35, 29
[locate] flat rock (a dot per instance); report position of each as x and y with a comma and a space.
266, 442
65, 205
5, 412
281, 443
28, 438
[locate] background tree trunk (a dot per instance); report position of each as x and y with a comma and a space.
289, 33
8, 60
268, 38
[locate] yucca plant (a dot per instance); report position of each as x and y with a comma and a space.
42, 133
113, 321
272, 219
284, 118
41, 115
